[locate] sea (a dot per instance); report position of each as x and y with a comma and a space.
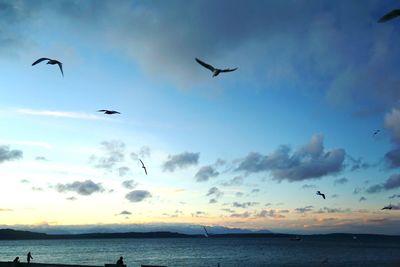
230, 251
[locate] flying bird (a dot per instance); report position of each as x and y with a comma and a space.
206, 233
108, 112
376, 132
389, 16
215, 71
144, 167
387, 207
320, 194
51, 62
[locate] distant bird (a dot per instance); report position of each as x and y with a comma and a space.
387, 207
206, 233
51, 62
144, 167
376, 132
320, 194
215, 71
108, 112
389, 16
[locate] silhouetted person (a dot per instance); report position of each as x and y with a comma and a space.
29, 257
120, 261
16, 260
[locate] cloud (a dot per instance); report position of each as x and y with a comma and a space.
198, 213
309, 186
333, 210
129, 184
235, 181
255, 190
24, 181
215, 192
309, 162
392, 158
391, 183
244, 204
71, 198
138, 195
239, 194
8, 155
61, 114
341, 181
143, 152
84, 188
357, 190
305, 209
245, 214
394, 196
123, 171
357, 164
362, 199
37, 189
181, 161
114, 153
125, 212
40, 158
2, 210
335, 196
205, 173
392, 123
212, 201
269, 213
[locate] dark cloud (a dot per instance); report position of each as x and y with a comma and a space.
181, 161
198, 213
213, 201
357, 164
125, 212
392, 158
357, 190
391, 183
305, 209
71, 198
362, 199
394, 196
215, 192
309, 186
245, 214
392, 123
255, 190
129, 184
309, 162
84, 188
123, 171
24, 181
205, 173
137, 195
114, 153
8, 155
239, 194
228, 210
333, 210
244, 204
341, 181
269, 213
235, 181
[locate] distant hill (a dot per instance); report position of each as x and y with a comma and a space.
10, 234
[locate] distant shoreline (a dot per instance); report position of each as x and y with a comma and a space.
10, 234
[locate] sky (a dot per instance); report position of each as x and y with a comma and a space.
246, 149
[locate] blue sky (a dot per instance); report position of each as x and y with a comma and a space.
245, 149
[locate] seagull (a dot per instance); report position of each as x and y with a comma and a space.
206, 233
51, 62
387, 207
214, 70
389, 16
320, 194
376, 132
108, 112
144, 167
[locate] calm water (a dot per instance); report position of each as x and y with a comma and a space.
208, 252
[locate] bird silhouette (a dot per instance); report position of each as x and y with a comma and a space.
389, 16
215, 71
108, 112
205, 232
51, 62
387, 207
144, 167
376, 132
320, 194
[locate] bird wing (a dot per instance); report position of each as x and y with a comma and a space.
145, 170
141, 162
60, 65
391, 15
323, 195
205, 65
229, 70
40, 60
102, 110
116, 112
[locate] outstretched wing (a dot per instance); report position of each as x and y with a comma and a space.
323, 195
102, 110
60, 65
229, 70
40, 60
391, 15
115, 112
205, 65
